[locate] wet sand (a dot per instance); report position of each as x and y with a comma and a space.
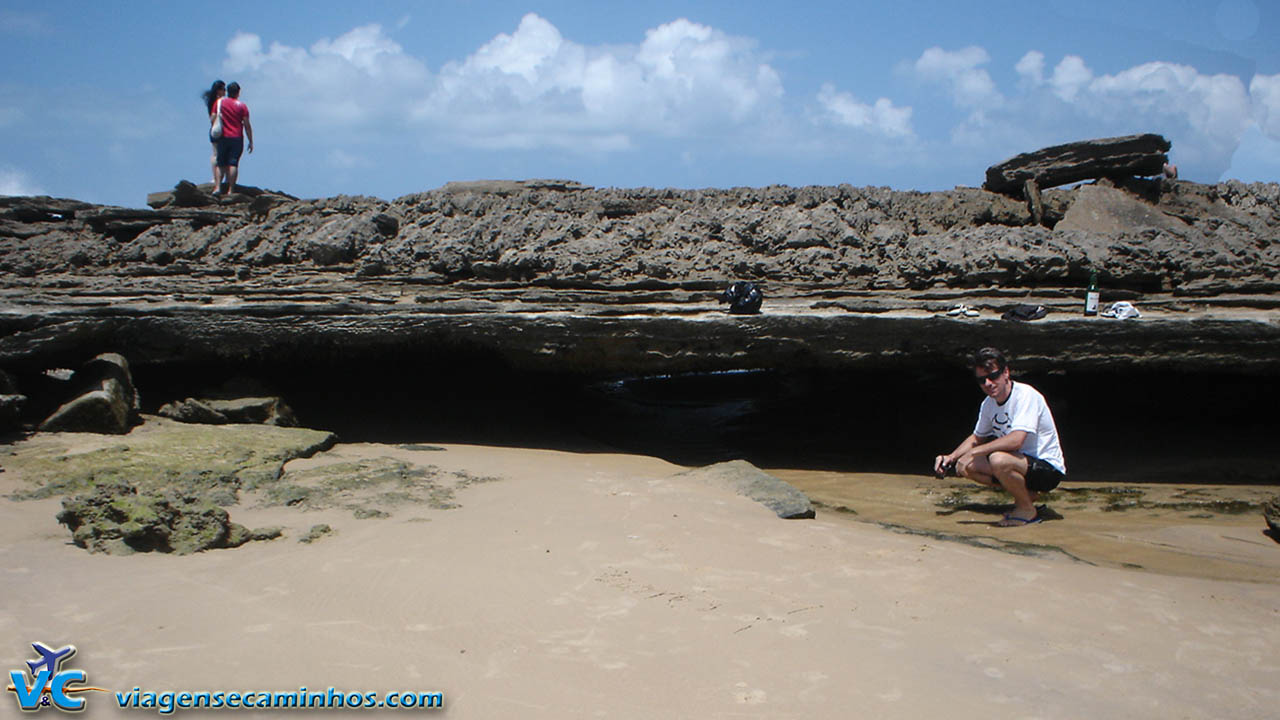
598, 585
1206, 531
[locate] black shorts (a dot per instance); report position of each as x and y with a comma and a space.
229, 151
1041, 476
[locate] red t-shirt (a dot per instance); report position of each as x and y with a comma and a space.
234, 114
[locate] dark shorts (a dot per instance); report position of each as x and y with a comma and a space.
229, 151
1041, 476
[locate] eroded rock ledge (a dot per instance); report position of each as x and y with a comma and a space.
1144, 235
555, 276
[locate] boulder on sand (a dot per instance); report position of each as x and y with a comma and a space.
748, 480
116, 519
107, 403
1271, 513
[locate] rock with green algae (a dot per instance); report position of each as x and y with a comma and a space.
369, 487
315, 533
164, 456
118, 520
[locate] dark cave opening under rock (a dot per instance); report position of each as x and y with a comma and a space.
1131, 426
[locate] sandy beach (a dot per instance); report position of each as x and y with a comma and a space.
598, 585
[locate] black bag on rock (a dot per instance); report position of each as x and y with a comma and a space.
744, 298
1025, 312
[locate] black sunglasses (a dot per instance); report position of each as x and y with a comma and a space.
982, 379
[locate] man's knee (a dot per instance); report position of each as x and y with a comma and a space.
969, 469
1006, 466
1004, 461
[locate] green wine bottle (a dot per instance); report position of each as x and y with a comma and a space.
1091, 295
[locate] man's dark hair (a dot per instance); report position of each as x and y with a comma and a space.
233, 90
988, 355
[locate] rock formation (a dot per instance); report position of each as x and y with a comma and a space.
747, 480
251, 410
106, 403
1116, 157
188, 194
116, 519
553, 284
556, 275
851, 238
12, 404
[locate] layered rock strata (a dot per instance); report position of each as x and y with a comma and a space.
553, 275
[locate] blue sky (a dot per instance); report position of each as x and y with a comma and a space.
101, 100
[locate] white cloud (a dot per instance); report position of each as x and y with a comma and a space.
882, 118
683, 78
1031, 68
1215, 105
365, 48
1257, 159
15, 182
530, 88
695, 67
512, 84
355, 80
1070, 75
530, 53
1265, 92
1203, 115
970, 85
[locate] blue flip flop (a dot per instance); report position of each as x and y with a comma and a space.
1011, 521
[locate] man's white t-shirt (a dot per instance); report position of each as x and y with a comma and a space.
1026, 410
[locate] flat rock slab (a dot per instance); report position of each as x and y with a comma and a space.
748, 480
1085, 160
162, 457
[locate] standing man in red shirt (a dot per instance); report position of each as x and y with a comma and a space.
235, 128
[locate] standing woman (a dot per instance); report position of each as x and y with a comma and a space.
211, 97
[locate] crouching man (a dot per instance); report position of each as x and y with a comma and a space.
1014, 446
